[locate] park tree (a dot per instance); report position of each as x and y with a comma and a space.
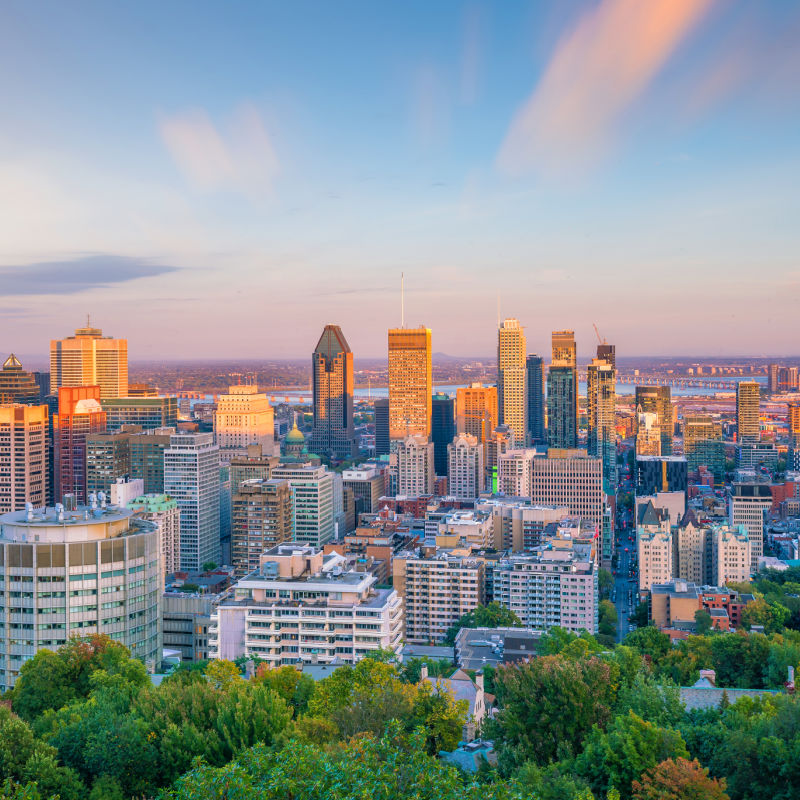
678, 779
492, 615
649, 641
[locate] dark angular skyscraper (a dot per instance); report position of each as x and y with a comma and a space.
608, 353
562, 423
443, 429
16, 385
382, 441
536, 430
332, 372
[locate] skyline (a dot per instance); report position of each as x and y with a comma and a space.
227, 182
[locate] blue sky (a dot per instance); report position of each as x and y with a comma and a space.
224, 179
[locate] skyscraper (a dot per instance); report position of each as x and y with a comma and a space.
79, 415
657, 400
772, 378
476, 410
410, 382
312, 501
602, 430
465, 467
703, 445
748, 399
108, 457
793, 422
23, 456
90, 359
381, 413
332, 375
443, 429
562, 392
243, 417
512, 405
16, 385
415, 471
608, 353
149, 412
537, 434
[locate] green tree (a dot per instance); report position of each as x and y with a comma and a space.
411, 670
772, 616
649, 641
678, 779
289, 683
221, 674
490, 616
608, 619
641, 615
656, 702
605, 582
702, 622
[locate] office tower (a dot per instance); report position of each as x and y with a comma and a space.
366, 619
79, 415
368, 485
465, 467
602, 429
703, 445
562, 420
225, 512
254, 465
415, 472
43, 382
164, 512
772, 378
332, 377
657, 400
512, 400
564, 349
787, 379
16, 385
261, 519
793, 423
608, 353
747, 505
476, 410
147, 412
420, 576
312, 502
191, 477
571, 479
648, 434
514, 471
656, 474
381, 412
443, 429
500, 441
410, 382
748, 400
90, 359
23, 457
66, 557
244, 416
147, 458
537, 434
518, 525
108, 457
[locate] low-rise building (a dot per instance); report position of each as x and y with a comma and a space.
186, 621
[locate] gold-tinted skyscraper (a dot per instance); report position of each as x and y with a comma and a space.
512, 376
410, 382
562, 392
748, 400
90, 359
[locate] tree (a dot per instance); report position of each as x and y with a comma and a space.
641, 615
208, 566
558, 640
772, 616
411, 670
491, 616
608, 618
605, 582
702, 622
292, 685
649, 642
659, 703
221, 674
678, 779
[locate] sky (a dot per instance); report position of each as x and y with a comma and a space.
223, 179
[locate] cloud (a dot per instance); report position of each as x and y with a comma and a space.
599, 68
70, 276
240, 157
431, 105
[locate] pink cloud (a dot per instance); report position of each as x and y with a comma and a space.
599, 68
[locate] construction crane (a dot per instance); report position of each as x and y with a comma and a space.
600, 339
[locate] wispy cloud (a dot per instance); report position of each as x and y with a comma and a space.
599, 68
237, 157
78, 274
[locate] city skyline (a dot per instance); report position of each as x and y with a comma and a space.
224, 168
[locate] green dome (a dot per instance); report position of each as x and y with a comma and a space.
295, 436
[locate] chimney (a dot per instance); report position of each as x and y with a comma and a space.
710, 675
423, 672
479, 680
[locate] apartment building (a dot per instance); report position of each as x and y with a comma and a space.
747, 505
476, 528
518, 524
312, 501
465, 467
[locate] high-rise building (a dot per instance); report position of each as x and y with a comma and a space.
519, 525
787, 379
515, 471
191, 477
602, 430
648, 434
164, 512
512, 378
772, 378
476, 410
655, 474
23, 456
608, 353
90, 359
79, 415
108, 457
368, 485
261, 519
562, 419
500, 441
254, 465
465, 467
703, 446
16, 385
147, 412
793, 423
748, 400
415, 471
382, 439
443, 429
537, 434
312, 502
147, 457
569, 478
747, 505
86, 571
244, 416
333, 382
564, 349
657, 400
410, 382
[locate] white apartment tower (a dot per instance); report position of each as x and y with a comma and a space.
164, 512
415, 466
465, 467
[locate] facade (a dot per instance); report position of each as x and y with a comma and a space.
747, 505
655, 553
187, 618
772, 378
731, 555
537, 433
410, 382
16, 385
512, 378
465, 467
312, 502
518, 525
562, 419
304, 607
658, 400
443, 429
793, 422
163, 511
703, 445
655, 474
648, 434
515, 472
148, 412
475, 528
602, 429
571, 479
415, 469
438, 587
147, 458
253, 465
500, 441
368, 485
757, 454
90, 359
332, 378
94, 570
748, 400
244, 417
382, 439
261, 519
108, 457
23, 456
551, 587
608, 353
191, 478
79, 416
476, 410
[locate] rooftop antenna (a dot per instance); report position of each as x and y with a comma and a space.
88, 321
402, 300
